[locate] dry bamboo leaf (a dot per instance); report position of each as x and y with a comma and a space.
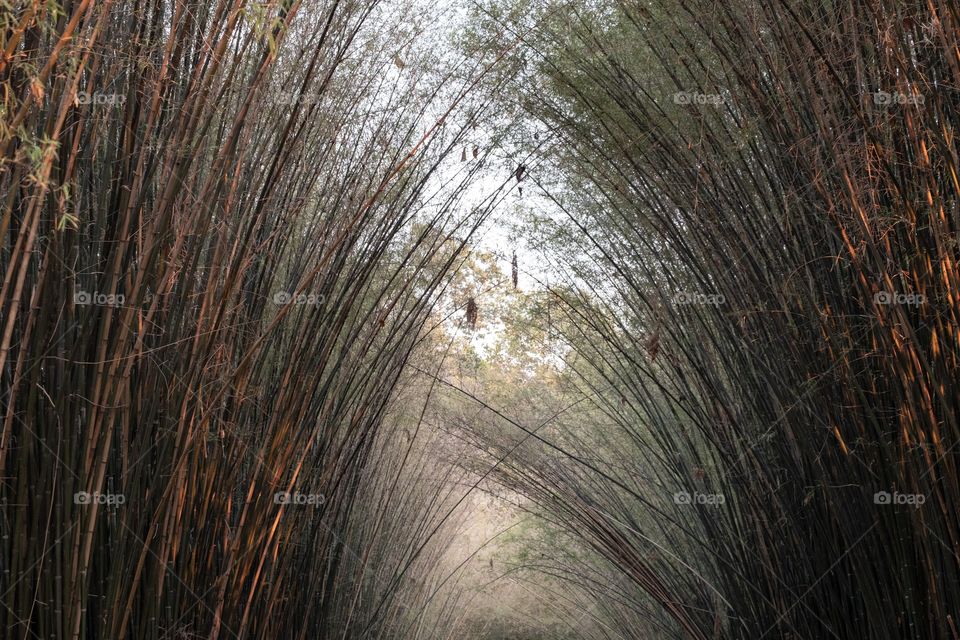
652, 345
472, 313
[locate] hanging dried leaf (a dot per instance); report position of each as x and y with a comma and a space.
472, 313
513, 269
476, 152
653, 346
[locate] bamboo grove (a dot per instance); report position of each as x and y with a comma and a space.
234, 316
223, 233
758, 233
